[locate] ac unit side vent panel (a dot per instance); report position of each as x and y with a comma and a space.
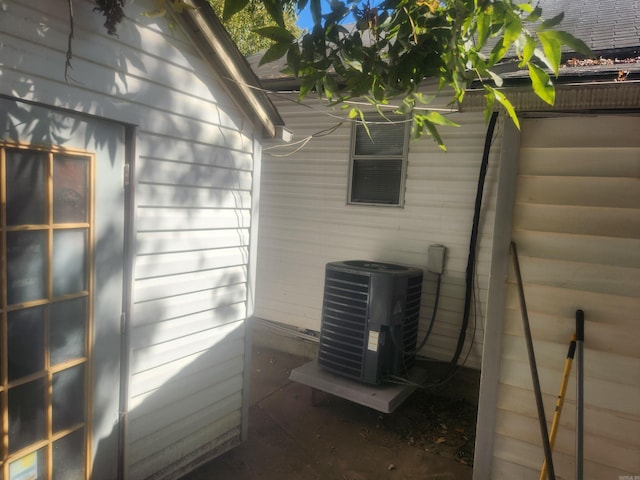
361, 343
344, 319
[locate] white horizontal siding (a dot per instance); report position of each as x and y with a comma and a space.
194, 172
577, 227
181, 219
185, 261
305, 222
212, 436
148, 65
167, 286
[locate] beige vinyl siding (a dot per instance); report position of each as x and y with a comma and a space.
306, 222
577, 227
194, 171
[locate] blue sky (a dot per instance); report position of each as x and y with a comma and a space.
304, 17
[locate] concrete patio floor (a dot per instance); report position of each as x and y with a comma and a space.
291, 439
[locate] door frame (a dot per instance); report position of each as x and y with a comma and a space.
128, 256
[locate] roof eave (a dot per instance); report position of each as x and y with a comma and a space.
236, 74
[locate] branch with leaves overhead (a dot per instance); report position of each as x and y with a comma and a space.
399, 49
396, 46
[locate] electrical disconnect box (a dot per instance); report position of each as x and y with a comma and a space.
435, 258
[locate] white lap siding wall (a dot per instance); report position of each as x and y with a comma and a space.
196, 159
305, 222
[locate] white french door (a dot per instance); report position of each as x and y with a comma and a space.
61, 244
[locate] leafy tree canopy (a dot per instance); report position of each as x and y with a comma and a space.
395, 46
242, 26
253, 14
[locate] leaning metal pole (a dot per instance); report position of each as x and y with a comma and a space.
579, 394
534, 369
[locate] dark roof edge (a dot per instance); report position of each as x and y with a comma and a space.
623, 52
594, 96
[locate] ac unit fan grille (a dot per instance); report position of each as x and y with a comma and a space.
410, 330
344, 323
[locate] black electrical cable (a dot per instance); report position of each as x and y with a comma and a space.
474, 238
442, 382
433, 315
470, 271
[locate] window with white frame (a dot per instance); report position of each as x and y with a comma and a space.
378, 161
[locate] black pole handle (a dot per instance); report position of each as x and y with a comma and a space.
579, 326
572, 348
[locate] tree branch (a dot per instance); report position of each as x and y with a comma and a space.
67, 63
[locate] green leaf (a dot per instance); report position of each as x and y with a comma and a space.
484, 24
527, 50
552, 49
406, 106
275, 10
294, 58
433, 131
497, 53
525, 7
512, 31
504, 101
541, 83
305, 88
422, 98
354, 64
276, 51
540, 55
489, 102
572, 42
497, 79
552, 22
277, 34
330, 86
363, 122
534, 15
231, 7
439, 119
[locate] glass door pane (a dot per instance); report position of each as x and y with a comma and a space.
70, 189
45, 235
69, 265
26, 265
67, 330
25, 187
25, 338
27, 414
30, 466
68, 457
68, 398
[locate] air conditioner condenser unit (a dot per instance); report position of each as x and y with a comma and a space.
370, 316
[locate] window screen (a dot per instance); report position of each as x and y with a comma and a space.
378, 161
